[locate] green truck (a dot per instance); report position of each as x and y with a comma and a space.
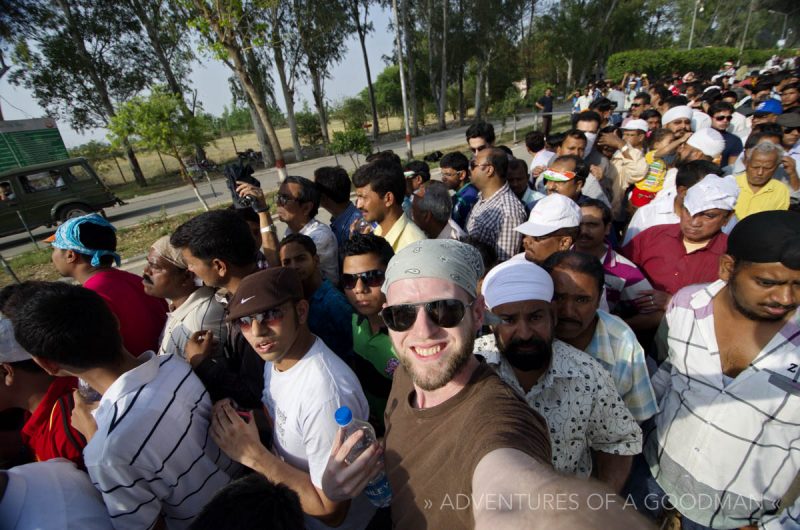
39, 184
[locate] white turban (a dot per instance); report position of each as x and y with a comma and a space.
712, 192
700, 120
709, 141
10, 350
516, 280
676, 113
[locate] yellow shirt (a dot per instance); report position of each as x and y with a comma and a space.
403, 232
773, 196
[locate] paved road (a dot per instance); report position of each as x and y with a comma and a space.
181, 200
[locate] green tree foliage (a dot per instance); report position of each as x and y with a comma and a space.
661, 63
308, 126
159, 123
352, 142
354, 112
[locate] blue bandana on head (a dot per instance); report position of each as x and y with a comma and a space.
68, 237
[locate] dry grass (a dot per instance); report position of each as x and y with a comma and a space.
221, 151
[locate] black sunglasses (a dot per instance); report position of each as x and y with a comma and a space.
723, 118
373, 278
282, 199
444, 313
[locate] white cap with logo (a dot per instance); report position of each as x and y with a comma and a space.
552, 213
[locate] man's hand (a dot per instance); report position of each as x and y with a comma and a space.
360, 226
342, 481
538, 171
597, 171
198, 347
237, 438
612, 140
245, 189
82, 419
651, 300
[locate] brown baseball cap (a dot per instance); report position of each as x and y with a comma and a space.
264, 290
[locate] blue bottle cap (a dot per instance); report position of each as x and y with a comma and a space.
343, 415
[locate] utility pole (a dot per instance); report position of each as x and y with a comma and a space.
694, 19
409, 151
746, 28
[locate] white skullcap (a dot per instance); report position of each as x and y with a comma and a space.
712, 192
675, 113
10, 350
551, 213
516, 280
700, 120
635, 125
709, 141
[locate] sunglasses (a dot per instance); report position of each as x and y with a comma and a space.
723, 118
444, 313
268, 317
636, 105
473, 164
282, 199
373, 278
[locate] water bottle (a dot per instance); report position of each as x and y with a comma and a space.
378, 491
89, 394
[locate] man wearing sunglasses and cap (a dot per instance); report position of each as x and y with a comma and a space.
304, 384
454, 430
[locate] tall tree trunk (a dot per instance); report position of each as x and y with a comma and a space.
362, 38
261, 136
100, 86
443, 77
318, 94
151, 28
237, 60
431, 73
408, 33
479, 90
462, 107
288, 92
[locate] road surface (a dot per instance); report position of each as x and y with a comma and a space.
181, 200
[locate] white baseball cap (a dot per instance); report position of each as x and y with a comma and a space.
10, 350
635, 125
552, 213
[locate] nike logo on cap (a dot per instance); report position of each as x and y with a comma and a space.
245, 300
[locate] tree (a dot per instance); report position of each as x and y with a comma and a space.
352, 142
353, 112
169, 46
15, 21
82, 61
322, 28
388, 96
308, 126
362, 28
286, 51
229, 29
159, 123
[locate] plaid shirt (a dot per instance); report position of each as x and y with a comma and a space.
614, 344
732, 443
493, 221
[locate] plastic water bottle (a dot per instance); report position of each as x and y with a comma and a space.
378, 490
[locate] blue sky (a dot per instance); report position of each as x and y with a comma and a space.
210, 78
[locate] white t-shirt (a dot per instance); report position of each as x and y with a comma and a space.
301, 402
200, 311
52, 494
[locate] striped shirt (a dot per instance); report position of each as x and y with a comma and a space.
493, 221
623, 281
614, 344
152, 453
734, 445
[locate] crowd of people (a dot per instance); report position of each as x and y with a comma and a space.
604, 335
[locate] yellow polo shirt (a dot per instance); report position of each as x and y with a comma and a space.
403, 232
773, 196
